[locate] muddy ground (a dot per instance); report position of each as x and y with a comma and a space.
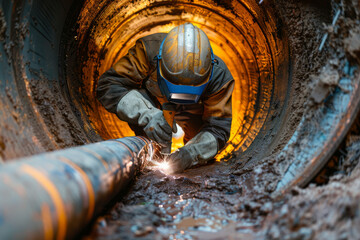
222, 202
234, 200
219, 202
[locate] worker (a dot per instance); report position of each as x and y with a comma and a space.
177, 68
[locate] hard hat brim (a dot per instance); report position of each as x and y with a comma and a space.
180, 94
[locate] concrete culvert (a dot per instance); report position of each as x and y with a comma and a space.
295, 65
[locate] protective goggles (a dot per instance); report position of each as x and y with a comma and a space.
181, 94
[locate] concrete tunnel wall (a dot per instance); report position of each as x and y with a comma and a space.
54, 52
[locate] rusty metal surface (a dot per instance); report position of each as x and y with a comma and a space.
54, 195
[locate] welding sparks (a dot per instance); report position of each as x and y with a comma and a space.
157, 161
164, 166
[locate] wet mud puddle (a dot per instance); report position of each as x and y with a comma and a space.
209, 202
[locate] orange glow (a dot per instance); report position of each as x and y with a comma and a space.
177, 140
241, 42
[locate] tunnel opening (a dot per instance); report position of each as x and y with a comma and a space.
293, 104
247, 37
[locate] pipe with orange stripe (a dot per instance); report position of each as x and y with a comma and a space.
54, 195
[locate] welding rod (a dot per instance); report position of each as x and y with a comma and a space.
54, 195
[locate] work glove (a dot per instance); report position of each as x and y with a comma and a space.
199, 150
134, 108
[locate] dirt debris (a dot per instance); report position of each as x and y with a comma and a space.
219, 204
53, 109
186, 206
327, 212
352, 43
336, 73
2, 26
324, 84
302, 21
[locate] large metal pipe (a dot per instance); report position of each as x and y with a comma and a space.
54, 195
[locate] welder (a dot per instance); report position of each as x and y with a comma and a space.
177, 69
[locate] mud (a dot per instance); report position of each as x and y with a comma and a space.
54, 111
302, 21
328, 208
234, 200
220, 202
326, 212
352, 43
2, 26
325, 83
204, 200
37, 117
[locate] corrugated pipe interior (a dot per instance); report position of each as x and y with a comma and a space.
53, 52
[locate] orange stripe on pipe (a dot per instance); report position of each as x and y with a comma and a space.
106, 165
88, 185
43, 180
123, 144
146, 141
47, 222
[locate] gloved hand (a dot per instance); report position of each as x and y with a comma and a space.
134, 108
158, 129
179, 160
199, 150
